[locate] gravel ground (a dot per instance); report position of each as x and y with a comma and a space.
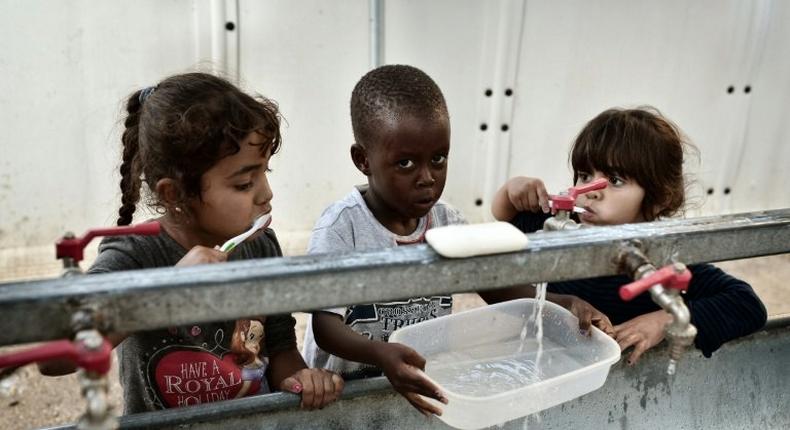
29, 400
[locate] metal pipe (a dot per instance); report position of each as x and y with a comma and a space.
376, 19
561, 221
154, 298
219, 58
750, 373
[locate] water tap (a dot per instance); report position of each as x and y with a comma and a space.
563, 204
70, 248
665, 285
92, 353
89, 350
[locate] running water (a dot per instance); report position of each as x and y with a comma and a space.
537, 319
540, 296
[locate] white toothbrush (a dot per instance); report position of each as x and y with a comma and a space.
577, 209
262, 221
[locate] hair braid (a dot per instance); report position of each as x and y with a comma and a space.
130, 170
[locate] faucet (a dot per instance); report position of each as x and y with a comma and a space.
664, 285
70, 248
92, 353
89, 350
564, 203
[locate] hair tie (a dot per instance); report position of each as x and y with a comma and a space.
145, 93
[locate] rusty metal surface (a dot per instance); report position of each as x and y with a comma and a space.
744, 385
155, 298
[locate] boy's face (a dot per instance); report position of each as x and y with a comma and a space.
406, 167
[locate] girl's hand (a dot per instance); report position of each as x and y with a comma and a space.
585, 312
527, 194
642, 332
403, 367
202, 255
319, 387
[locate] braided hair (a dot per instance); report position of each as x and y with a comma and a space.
182, 127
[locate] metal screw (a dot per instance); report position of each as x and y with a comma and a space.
82, 320
92, 342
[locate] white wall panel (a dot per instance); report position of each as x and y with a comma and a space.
451, 41
307, 56
67, 66
579, 58
761, 170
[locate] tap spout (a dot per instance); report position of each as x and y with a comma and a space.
664, 285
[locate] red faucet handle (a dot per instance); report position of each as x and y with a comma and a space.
73, 247
565, 202
597, 184
91, 359
561, 202
675, 276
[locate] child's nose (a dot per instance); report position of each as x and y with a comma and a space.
593, 195
264, 194
425, 178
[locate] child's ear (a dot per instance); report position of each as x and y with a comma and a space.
359, 155
168, 192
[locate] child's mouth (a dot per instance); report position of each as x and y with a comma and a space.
587, 216
425, 202
265, 224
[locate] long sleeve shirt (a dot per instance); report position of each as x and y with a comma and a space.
722, 307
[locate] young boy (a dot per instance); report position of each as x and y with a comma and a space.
402, 132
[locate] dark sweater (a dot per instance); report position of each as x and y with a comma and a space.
197, 363
722, 307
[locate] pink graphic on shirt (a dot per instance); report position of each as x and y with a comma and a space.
192, 377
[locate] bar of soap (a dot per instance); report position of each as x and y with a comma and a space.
460, 241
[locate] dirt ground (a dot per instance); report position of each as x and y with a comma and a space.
29, 400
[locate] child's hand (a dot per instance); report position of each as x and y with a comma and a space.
519, 194
528, 194
319, 387
642, 332
202, 255
403, 367
585, 312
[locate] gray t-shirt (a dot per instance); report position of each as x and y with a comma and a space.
349, 225
197, 363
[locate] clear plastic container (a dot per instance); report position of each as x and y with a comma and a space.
490, 376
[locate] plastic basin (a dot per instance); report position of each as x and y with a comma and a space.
489, 375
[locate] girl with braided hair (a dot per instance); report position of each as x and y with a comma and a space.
199, 147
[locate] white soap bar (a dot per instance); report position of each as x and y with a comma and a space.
459, 241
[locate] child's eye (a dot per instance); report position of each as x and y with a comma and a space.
616, 181
584, 177
438, 159
405, 163
243, 187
